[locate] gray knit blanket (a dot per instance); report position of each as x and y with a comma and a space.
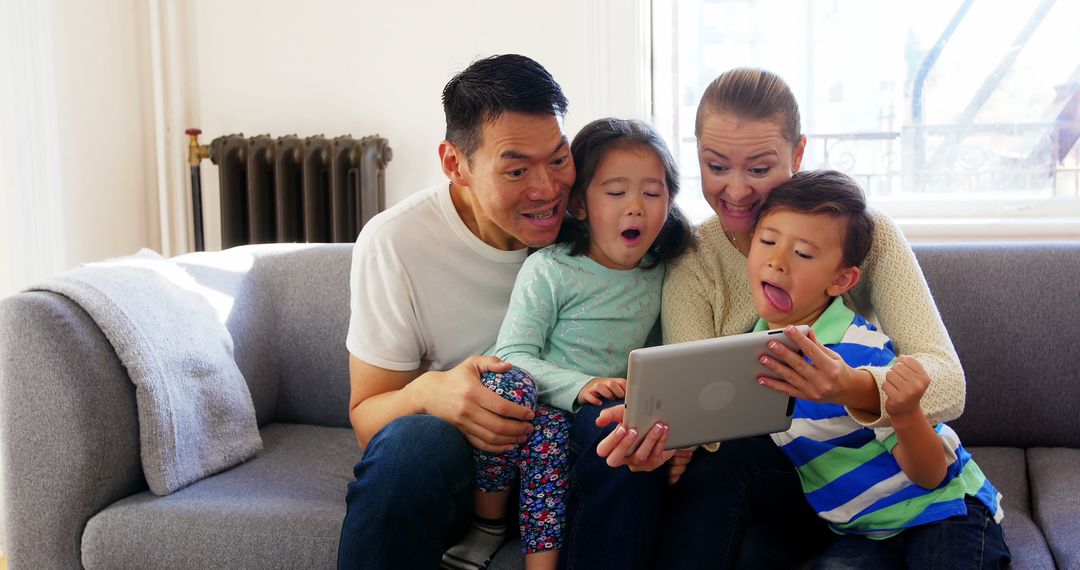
196, 416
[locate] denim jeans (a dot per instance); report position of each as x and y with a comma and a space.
612, 515
973, 541
412, 497
740, 507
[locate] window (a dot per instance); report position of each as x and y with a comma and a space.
949, 111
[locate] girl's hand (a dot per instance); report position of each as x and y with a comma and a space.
904, 386
826, 378
599, 389
649, 455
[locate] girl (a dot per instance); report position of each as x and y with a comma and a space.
578, 308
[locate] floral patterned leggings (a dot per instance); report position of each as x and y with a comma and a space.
541, 462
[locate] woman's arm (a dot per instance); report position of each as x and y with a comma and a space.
894, 286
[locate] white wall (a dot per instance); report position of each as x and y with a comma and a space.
95, 97
76, 182
366, 67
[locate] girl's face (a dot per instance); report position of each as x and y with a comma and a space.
741, 162
625, 206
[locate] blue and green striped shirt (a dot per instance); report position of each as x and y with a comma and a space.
848, 472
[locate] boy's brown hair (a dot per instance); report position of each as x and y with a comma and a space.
831, 193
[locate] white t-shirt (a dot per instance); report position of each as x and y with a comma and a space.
425, 292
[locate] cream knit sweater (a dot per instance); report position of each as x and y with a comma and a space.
707, 294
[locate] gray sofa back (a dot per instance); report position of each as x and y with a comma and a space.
289, 321
1012, 312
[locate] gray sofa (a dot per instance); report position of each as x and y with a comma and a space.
74, 493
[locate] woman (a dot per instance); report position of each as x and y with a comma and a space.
743, 504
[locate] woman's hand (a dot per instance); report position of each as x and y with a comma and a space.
599, 389
616, 446
826, 378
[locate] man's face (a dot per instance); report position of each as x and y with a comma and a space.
520, 178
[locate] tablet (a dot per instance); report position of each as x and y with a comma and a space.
707, 390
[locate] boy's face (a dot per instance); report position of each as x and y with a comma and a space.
796, 266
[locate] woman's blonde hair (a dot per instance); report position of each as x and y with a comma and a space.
752, 93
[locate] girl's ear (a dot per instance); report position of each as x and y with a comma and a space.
577, 208
846, 278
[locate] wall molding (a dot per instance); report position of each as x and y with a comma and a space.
169, 40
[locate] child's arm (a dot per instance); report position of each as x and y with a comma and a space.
920, 452
530, 320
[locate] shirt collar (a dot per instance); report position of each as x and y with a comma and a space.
830, 327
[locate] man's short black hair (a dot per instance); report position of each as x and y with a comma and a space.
493, 86
832, 193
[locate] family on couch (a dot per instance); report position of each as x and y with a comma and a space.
432, 279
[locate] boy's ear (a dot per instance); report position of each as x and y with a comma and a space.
453, 161
846, 278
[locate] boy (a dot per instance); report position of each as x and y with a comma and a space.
910, 495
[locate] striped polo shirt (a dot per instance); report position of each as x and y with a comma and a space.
848, 472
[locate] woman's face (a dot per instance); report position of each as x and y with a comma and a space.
741, 162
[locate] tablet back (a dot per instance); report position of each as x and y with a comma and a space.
707, 390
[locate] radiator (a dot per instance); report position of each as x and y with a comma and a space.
289, 189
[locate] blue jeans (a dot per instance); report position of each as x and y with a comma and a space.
973, 541
612, 515
412, 497
740, 507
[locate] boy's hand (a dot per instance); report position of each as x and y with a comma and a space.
599, 389
904, 386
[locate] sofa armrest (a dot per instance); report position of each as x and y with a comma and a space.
69, 441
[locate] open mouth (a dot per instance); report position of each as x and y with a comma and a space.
631, 234
777, 297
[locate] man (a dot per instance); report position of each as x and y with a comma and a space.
431, 280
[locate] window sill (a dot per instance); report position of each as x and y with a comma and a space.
923, 230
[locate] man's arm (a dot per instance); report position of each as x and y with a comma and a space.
379, 396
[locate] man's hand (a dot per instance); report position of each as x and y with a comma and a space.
599, 389
904, 387
490, 422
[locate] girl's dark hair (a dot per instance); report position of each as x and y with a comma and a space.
589, 148
493, 86
832, 193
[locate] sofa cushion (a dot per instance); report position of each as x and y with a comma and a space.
1055, 482
1012, 314
282, 509
1006, 468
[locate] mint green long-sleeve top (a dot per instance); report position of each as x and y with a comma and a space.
571, 319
